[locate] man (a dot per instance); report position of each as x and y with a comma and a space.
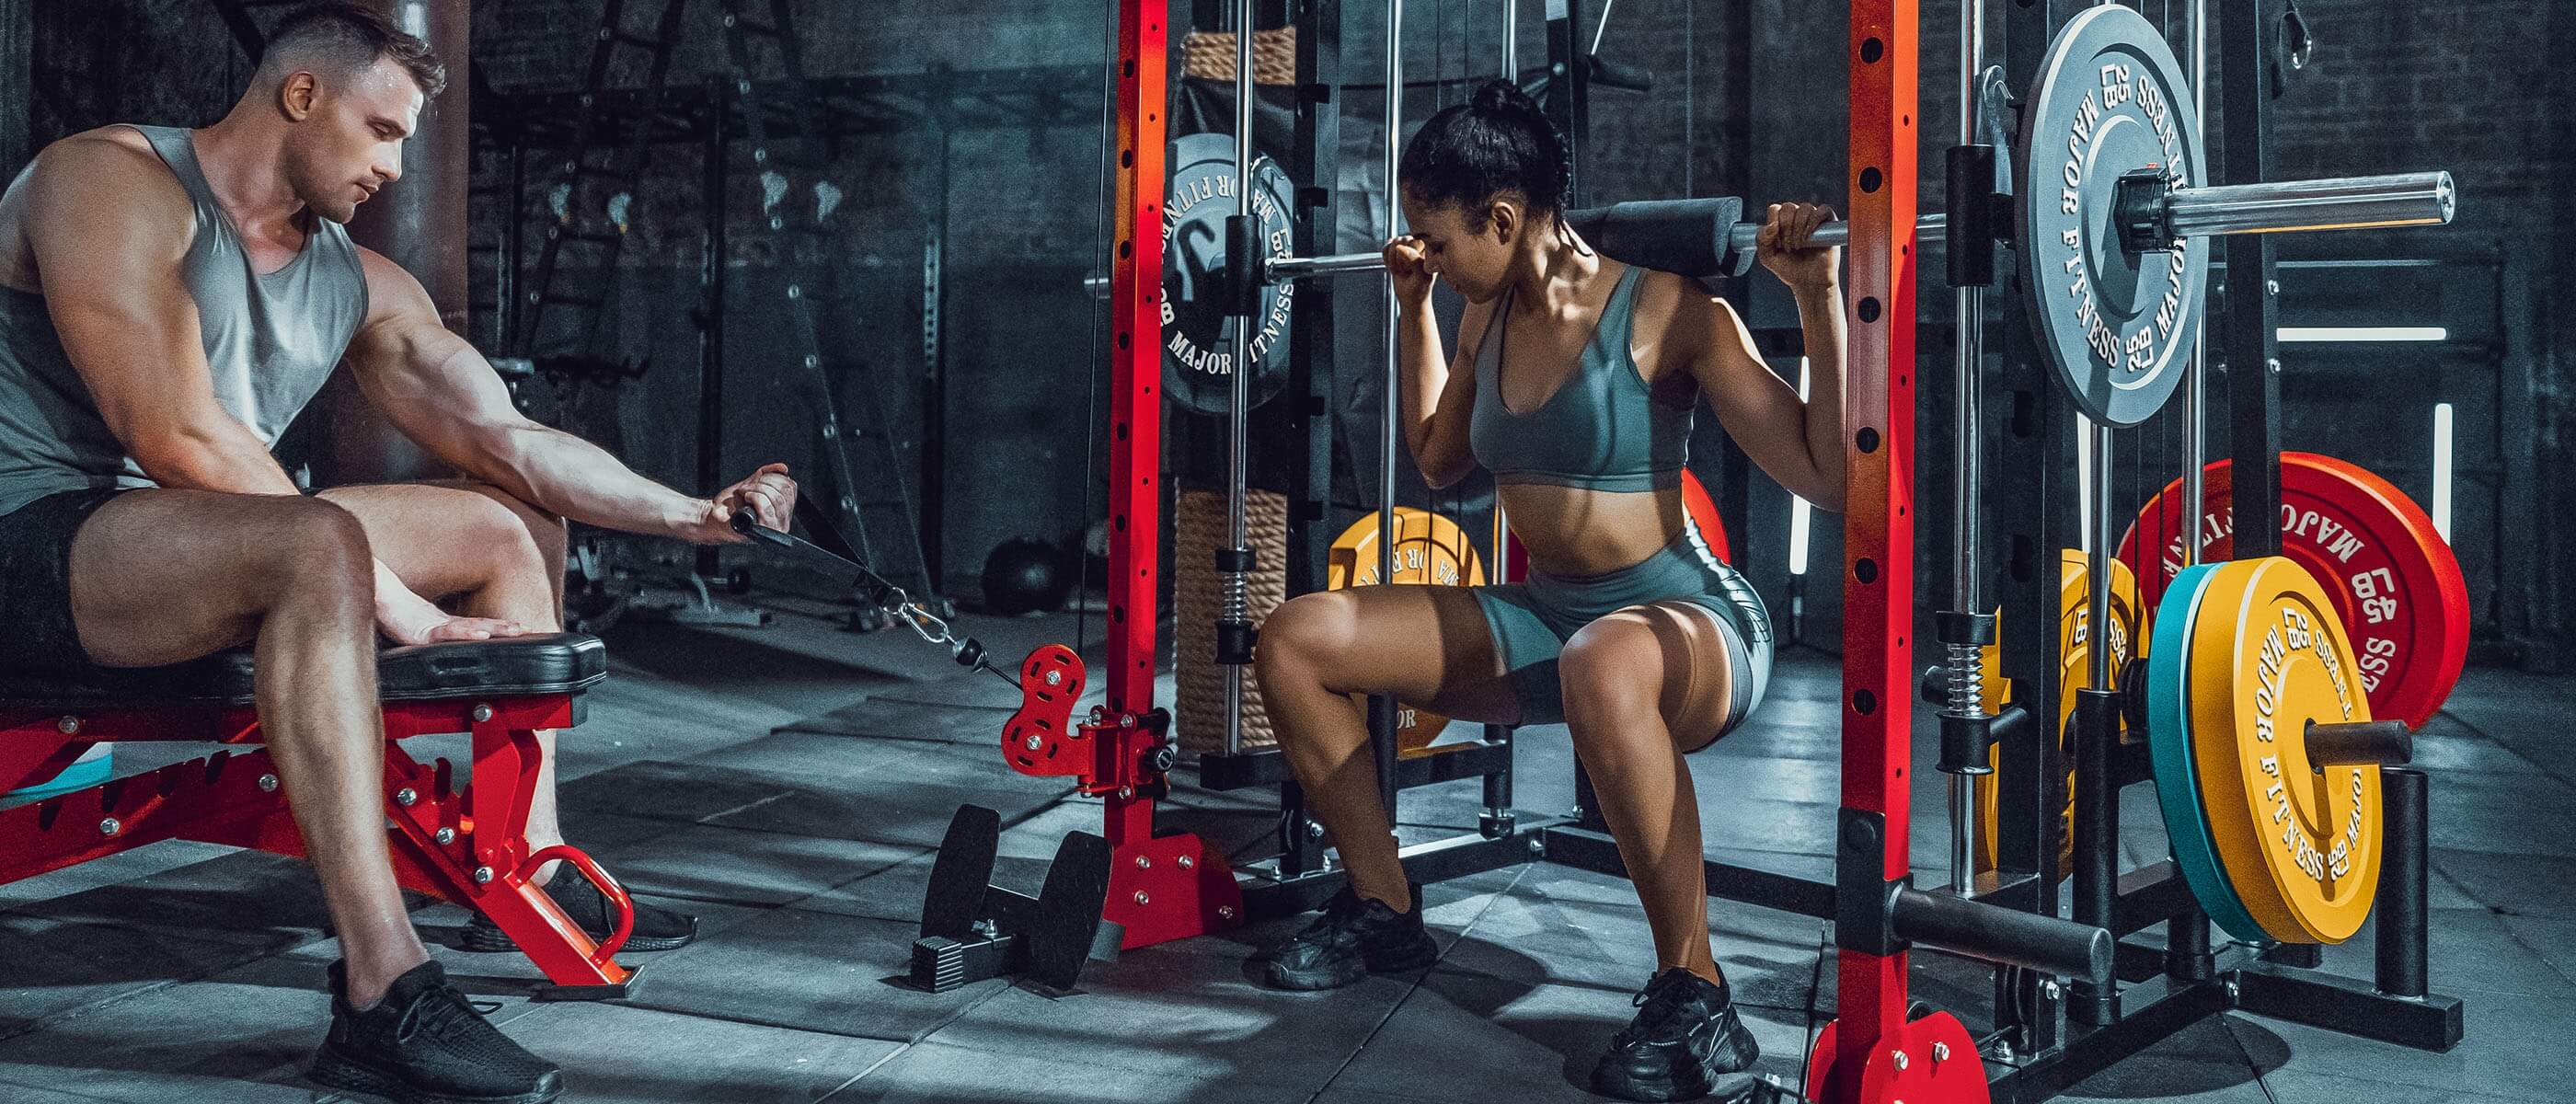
169, 299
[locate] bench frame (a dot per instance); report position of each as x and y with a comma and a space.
465, 845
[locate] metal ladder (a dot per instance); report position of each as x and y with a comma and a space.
865, 476
591, 202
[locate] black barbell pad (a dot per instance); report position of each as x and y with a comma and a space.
1603, 72
1689, 237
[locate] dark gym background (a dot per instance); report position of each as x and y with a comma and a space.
2391, 86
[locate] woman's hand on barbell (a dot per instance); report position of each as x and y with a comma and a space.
1408, 267
1782, 245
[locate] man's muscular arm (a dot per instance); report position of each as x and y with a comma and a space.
109, 226
445, 396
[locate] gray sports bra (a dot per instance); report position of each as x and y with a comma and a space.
1602, 430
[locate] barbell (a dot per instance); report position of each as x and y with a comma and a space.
2346, 203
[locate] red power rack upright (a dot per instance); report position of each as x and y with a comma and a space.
1852, 1064
1161, 887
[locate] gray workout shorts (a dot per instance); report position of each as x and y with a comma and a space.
1532, 621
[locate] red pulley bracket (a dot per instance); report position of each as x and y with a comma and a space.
1041, 738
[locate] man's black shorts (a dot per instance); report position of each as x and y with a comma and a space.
36, 631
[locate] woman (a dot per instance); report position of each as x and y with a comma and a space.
1576, 383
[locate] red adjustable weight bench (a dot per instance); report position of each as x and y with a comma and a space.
467, 845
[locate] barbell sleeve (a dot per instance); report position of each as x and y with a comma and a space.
2341, 203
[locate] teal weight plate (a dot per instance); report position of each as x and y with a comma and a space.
2169, 746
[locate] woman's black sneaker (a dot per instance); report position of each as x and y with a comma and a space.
424, 1043
656, 929
1351, 940
1685, 1035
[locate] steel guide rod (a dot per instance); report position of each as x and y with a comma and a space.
2098, 566
2187, 933
1382, 708
1498, 803
1967, 347
1234, 608
2195, 399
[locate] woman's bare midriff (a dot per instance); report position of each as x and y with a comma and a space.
1571, 532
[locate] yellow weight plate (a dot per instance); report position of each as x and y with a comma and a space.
1429, 548
2269, 655
2075, 672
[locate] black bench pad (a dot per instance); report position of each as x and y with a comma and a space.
552, 663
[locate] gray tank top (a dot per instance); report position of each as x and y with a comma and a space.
272, 340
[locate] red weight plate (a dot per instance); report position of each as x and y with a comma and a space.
1703, 512
2390, 575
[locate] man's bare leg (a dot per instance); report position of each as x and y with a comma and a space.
491, 555
494, 556
162, 576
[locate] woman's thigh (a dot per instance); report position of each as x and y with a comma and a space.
1429, 646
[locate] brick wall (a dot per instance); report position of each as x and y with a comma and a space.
1749, 99
2398, 87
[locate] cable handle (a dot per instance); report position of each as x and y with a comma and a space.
894, 600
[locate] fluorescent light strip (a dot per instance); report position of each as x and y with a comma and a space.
2442, 470
2327, 335
1799, 512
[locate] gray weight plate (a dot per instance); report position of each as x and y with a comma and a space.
1198, 341
2110, 99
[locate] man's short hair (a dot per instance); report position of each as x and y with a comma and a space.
348, 37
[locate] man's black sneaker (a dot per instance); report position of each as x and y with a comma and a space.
656, 929
1352, 939
1685, 1035
425, 1044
